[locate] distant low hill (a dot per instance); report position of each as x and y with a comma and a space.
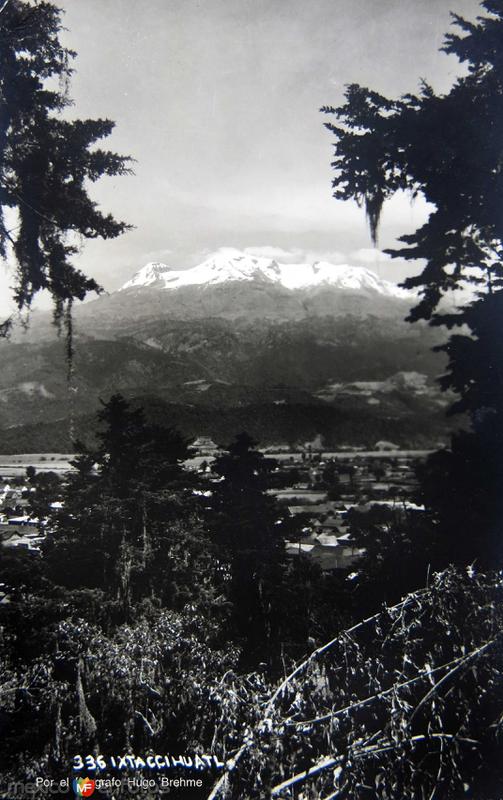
268, 423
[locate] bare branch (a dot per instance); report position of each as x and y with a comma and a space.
326, 763
406, 601
451, 672
145, 722
220, 787
457, 662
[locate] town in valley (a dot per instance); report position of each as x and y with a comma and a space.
317, 486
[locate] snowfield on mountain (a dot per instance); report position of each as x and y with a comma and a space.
228, 265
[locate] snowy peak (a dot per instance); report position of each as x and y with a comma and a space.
227, 264
151, 273
230, 265
341, 276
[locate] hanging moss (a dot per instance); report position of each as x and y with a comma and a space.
373, 208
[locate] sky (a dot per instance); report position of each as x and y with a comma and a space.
218, 101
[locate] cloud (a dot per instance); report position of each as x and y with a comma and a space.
278, 253
157, 255
296, 255
332, 256
369, 255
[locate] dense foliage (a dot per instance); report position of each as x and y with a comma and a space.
125, 520
406, 703
162, 615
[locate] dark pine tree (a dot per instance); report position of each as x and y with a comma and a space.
47, 162
248, 529
125, 508
449, 148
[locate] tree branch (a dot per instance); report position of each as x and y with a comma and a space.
462, 661
457, 662
326, 763
220, 787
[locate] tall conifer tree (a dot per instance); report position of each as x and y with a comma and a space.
47, 161
248, 530
122, 509
449, 148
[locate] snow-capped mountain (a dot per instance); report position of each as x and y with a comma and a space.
238, 343
230, 265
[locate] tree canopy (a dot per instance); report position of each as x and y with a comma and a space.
126, 507
247, 530
47, 161
449, 148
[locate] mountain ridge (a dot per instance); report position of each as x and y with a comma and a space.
231, 265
